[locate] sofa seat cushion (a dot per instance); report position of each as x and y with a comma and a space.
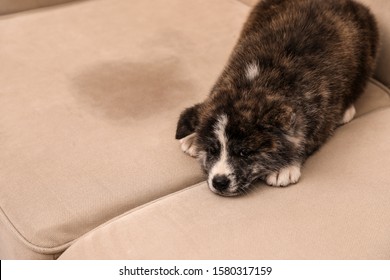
339, 210
12, 6
90, 94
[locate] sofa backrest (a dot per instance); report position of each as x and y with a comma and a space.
13, 6
381, 9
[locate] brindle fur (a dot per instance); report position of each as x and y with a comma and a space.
314, 59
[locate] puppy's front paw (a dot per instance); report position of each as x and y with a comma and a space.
188, 145
285, 176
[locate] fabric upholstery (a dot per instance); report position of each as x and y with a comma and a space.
13, 247
90, 94
338, 210
381, 9
12, 6
89, 98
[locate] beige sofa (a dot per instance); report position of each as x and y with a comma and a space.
90, 92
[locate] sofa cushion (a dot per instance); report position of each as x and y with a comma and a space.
12, 6
90, 94
338, 210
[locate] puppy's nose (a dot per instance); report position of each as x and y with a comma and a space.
221, 182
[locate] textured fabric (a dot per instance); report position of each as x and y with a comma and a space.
14, 247
249, 2
381, 10
339, 210
376, 96
12, 6
90, 94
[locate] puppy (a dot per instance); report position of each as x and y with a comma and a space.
291, 80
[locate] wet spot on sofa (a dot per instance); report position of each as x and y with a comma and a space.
132, 90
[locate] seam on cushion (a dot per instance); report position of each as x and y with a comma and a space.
138, 209
58, 250
246, 4
380, 85
36, 248
385, 108
38, 9
385, 89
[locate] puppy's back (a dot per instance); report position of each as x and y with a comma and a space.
316, 54
336, 39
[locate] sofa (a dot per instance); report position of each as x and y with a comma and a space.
90, 94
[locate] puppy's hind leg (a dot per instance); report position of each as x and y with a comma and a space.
348, 115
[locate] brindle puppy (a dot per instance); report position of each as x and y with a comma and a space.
297, 69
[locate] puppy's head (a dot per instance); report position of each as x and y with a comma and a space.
240, 141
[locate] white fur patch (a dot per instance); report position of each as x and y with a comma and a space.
187, 144
296, 140
202, 157
252, 71
348, 115
285, 176
221, 167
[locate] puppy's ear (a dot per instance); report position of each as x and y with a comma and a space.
188, 121
280, 116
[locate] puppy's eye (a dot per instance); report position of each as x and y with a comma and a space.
211, 150
244, 152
